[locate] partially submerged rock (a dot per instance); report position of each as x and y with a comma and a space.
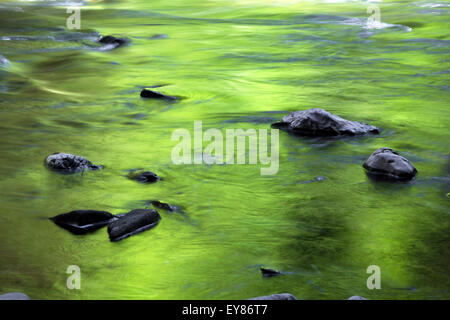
83, 221
69, 163
113, 42
357, 298
278, 296
144, 176
269, 272
385, 163
145, 93
133, 222
164, 206
318, 122
14, 296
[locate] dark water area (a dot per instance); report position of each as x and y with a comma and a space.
236, 64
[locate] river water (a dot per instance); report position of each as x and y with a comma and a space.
237, 64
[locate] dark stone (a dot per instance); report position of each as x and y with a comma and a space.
357, 298
144, 177
14, 296
318, 122
269, 272
278, 296
145, 93
83, 221
387, 164
162, 205
159, 36
115, 42
133, 222
69, 163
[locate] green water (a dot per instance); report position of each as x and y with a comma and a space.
238, 64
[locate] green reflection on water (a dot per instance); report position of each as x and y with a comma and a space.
234, 63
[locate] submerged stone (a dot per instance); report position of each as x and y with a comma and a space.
164, 206
14, 296
113, 41
385, 163
133, 222
277, 296
83, 221
318, 122
69, 163
145, 93
269, 272
144, 177
357, 298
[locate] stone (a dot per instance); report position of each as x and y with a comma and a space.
83, 221
318, 122
133, 222
14, 296
145, 93
357, 298
269, 272
144, 177
69, 163
113, 41
385, 163
162, 205
278, 296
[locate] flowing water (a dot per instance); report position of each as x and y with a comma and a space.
238, 64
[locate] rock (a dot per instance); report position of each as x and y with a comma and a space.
113, 41
145, 93
14, 296
162, 205
144, 177
159, 36
357, 298
269, 272
83, 221
278, 296
318, 122
69, 163
133, 222
385, 163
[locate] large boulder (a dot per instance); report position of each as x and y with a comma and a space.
14, 296
318, 122
385, 163
83, 221
278, 296
69, 163
133, 222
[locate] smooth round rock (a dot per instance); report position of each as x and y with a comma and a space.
387, 164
